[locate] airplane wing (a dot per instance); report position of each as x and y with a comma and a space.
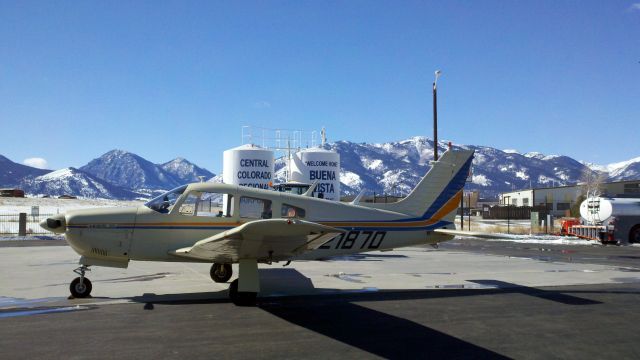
475, 234
275, 239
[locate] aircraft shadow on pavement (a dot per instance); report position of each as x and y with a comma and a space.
289, 285
377, 332
552, 295
334, 313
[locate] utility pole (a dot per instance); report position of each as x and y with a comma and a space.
469, 209
509, 219
462, 212
435, 116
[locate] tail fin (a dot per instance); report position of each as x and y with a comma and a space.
438, 193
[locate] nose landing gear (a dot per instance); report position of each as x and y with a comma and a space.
80, 287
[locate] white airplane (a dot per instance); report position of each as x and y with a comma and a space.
226, 224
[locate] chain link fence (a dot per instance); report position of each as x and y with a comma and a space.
10, 224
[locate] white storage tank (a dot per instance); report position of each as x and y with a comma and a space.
598, 210
248, 165
321, 165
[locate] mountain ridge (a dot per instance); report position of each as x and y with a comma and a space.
11, 172
71, 181
391, 167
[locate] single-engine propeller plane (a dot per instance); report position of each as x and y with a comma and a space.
225, 224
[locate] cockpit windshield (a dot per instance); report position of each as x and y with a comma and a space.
165, 202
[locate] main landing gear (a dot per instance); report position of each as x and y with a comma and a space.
241, 298
243, 291
80, 287
221, 273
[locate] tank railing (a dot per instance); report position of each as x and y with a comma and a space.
279, 139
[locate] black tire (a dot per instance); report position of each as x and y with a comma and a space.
221, 273
634, 235
241, 298
79, 290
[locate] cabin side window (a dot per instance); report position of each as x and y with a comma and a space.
255, 208
290, 212
207, 204
188, 206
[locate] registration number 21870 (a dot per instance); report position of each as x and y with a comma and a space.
371, 240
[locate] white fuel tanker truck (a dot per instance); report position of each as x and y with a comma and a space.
612, 220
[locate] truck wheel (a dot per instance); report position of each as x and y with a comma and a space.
634, 235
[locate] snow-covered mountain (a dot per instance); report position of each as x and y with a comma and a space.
71, 181
117, 174
11, 173
396, 167
185, 171
629, 169
391, 168
130, 171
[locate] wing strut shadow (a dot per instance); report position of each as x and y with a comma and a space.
539, 293
378, 333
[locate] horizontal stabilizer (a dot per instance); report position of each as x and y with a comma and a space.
475, 234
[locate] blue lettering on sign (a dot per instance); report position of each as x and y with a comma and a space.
322, 175
255, 185
254, 163
325, 188
245, 174
321, 163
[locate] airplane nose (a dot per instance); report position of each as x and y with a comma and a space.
56, 224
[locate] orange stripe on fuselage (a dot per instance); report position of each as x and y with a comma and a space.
448, 207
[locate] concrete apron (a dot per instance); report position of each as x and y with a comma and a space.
40, 276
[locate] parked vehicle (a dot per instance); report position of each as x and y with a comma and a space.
609, 220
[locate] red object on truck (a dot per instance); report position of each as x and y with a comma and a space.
566, 224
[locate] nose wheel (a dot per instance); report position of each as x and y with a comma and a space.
80, 287
221, 273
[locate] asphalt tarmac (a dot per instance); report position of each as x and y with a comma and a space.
590, 253
498, 319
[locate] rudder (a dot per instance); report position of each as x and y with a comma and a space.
437, 192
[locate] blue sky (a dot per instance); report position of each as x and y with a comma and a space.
179, 78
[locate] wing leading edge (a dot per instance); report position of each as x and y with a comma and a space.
274, 239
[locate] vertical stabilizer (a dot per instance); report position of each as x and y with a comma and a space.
438, 194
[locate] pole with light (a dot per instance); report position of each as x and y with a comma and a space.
435, 115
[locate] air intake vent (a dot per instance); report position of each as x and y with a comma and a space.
101, 252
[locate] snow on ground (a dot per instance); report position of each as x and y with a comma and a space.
545, 239
11, 207
521, 232
30, 237
56, 206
